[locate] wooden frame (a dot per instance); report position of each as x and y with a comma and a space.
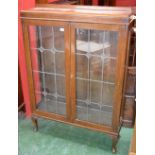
88, 26
114, 19
41, 1
30, 22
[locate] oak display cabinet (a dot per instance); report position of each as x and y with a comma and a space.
76, 62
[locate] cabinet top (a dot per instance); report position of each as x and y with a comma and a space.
77, 13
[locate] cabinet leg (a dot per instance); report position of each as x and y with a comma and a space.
114, 143
35, 124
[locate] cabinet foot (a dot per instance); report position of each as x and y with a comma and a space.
114, 143
35, 124
114, 150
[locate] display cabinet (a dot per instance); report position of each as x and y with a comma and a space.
76, 62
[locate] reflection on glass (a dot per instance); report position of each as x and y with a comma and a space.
45, 36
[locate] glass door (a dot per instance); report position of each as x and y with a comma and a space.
48, 57
95, 59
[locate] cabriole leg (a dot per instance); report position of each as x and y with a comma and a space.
114, 143
35, 124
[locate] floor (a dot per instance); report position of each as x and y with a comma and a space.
55, 138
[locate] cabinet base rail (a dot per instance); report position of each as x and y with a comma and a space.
114, 135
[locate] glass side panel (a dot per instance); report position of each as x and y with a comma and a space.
96, 58
48, 67
82, 68
95, 68
82, 89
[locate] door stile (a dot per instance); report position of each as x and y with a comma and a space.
67, 70
73, 86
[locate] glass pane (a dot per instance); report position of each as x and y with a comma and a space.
48, 61
106, 115
100, 115
38, 81
95, 41
82, 67
60, 61
94, 113
48, 67
108, 94
49, 83
58, 38
82, 38
46, 36
61, 107
96, 55
36, 58
95, 91
96, 68
110, 43
51, 103
81, 89
60, 81
41, 105
109, 70
81, 110
34, 37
